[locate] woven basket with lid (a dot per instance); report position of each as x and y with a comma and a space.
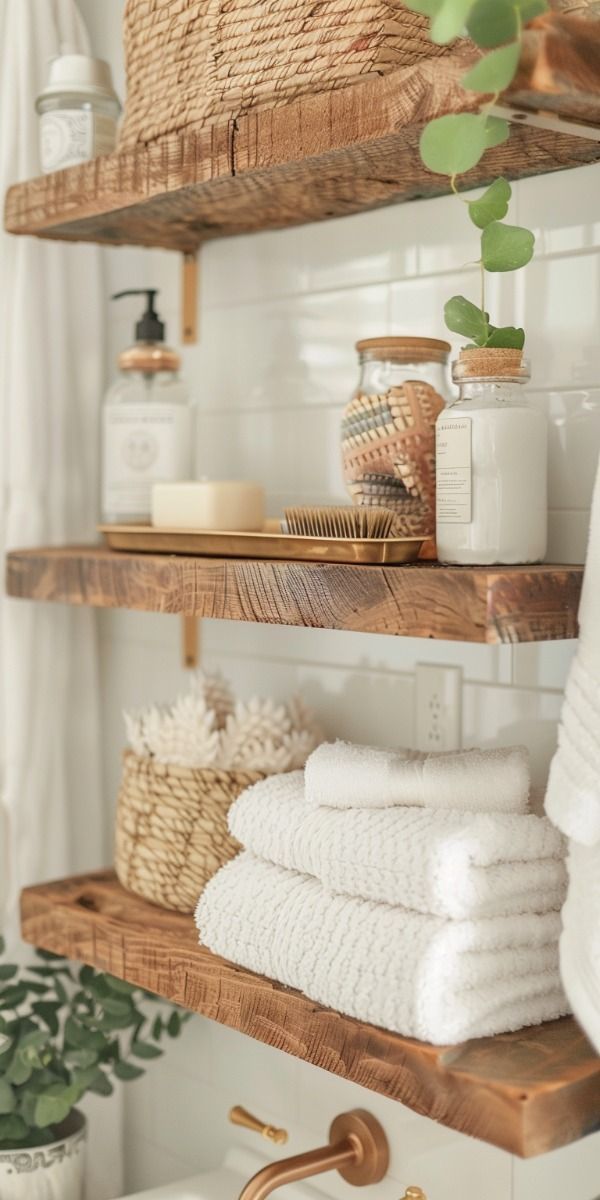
171, 828
193, 62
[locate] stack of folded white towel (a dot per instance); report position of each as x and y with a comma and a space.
411, 891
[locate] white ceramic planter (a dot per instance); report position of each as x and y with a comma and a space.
53, 1172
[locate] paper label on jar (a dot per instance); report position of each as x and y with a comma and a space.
143, 446
453, 471
72, 135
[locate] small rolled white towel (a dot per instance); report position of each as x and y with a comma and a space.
440, 981
451, 864
342, 775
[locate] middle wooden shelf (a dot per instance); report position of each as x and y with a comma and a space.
472, 604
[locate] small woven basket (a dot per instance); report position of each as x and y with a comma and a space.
191, 63
171, 828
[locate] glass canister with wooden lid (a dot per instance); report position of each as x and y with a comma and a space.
388, 428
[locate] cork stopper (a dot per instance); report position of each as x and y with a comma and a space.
490, 363
404, 349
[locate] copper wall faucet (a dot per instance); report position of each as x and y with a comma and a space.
358, 1149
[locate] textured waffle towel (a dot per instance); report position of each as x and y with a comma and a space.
424, 977
341, 775
447, 863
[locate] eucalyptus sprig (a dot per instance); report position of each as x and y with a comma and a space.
63, 1034
454, 144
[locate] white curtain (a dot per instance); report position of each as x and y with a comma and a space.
51, 381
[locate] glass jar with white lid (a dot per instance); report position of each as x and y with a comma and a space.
491, 464
79, 110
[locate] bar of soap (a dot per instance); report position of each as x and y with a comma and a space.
226, 505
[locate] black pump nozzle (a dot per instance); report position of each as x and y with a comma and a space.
150, 328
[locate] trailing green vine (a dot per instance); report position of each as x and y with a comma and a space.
454, 144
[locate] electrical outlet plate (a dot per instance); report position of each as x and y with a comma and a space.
438, 715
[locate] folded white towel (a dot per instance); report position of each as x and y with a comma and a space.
424, 977
448, 863
573, 797
342, 775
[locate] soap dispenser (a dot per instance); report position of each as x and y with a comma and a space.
146, 422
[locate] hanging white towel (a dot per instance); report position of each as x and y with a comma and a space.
342, 775
573, 798
445, 863
424, 977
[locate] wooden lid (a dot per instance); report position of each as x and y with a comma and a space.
490, 363
149, 357
405, 349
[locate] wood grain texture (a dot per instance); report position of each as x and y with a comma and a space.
471, 604
525, 1092
324, 155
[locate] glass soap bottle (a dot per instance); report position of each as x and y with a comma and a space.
491, 464
79, 110
388, 429
147, 434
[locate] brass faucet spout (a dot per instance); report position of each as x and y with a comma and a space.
357, 1148
299, 1166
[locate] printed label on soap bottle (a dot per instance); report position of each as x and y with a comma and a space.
73, 135
453, 471
141, 449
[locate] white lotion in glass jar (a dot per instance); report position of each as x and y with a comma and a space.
491, 465
78, 110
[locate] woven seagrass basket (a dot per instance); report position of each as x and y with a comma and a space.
193, 62
171, 828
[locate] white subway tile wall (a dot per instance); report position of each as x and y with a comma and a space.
273, 369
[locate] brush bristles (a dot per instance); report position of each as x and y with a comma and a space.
341, 522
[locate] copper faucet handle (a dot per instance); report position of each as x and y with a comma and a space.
241, 1116
414, 1193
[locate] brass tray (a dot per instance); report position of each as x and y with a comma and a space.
147, 539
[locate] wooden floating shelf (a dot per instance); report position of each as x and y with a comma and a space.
470, 604
526, 1092
321, 156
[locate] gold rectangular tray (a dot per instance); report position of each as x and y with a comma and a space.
147, 539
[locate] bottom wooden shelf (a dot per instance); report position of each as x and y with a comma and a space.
525, 1092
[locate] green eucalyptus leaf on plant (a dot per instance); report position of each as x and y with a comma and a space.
450, 20
453, 144
81, 1058
465, 318
13, 995
157, 1028
492, 206
507, 338
77, 1035
174, 1025
48, 956
497, 131
492, 22
101, 1085
127, 1072
506, 247
145, 1050
120, 985
8, 1100
12, 1129
54, 1106
495, 70
47, 1011
7, 971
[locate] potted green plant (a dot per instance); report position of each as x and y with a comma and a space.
63, 1033
491, 452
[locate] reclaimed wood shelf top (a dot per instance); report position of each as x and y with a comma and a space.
320, 156
526, 1092
469, 604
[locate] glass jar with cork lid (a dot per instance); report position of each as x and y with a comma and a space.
388, 428
491, 464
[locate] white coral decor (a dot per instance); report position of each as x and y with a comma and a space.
207, 728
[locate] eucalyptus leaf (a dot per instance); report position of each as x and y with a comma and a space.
157, 1028
506, 247
174, 1025
492, 206
492, 22
465, 318
7, 971
12, 1129
453, 144
54, 1106
497, 131
507, 338
47, 1011
120, 985
450, 20
8, 1100
49, 956
101, 1085
127, 1072
145, 1050
495, 70
81, 1058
